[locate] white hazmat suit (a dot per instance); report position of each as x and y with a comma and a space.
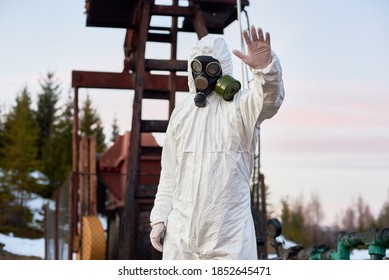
203, 197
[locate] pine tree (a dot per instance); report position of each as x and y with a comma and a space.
365, 217
46, 111
90, 124
19, 149
383, 217
58, 160
357, 217
115, 130
1, 132
293, 223
313, 216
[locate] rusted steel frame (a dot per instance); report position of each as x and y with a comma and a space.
74, 178
154, 126
168, 65
176, 10
88, 79
151, 151
198, 21
128, 49
92, 175
88, 183
159, 37
128, 227
173, 56
130, 42
153, 94
221, 2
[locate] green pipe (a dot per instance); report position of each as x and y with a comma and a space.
376, 239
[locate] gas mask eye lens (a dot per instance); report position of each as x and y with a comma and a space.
196, 66
213, 69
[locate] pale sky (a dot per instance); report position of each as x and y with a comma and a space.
331, 135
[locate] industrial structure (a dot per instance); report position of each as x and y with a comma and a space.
102, 210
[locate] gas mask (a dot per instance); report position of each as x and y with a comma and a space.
207, 75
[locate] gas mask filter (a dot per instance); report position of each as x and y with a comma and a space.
207, 75
227, 87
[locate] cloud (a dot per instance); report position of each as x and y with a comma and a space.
323, 103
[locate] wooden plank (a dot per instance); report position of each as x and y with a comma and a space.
92, 175
198, 22
156, 94
163, 10
151, 151
154, 126
159, 37
74, 197
90, 79
129, 49
221, 2
166, 65
129, 222
173, 56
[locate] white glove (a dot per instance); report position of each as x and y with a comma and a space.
258, 49
156, 234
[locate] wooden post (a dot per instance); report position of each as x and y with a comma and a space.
74, 179
198, 22
128, 226
88, 180
173, 56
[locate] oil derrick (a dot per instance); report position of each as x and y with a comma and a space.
138, 74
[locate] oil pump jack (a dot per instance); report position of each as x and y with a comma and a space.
139, 74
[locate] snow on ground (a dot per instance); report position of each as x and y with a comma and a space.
36, 204
23, 246
361, 255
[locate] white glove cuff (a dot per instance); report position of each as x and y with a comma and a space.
156, 222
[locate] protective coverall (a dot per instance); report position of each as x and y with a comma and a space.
203, 196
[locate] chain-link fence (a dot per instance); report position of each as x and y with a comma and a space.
57, 224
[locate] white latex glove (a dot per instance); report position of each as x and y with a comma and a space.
258, 49
156, 234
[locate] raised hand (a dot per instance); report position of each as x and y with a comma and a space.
258, 49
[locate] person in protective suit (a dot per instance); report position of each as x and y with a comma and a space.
202, 206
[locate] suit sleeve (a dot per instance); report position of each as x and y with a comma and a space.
167, 183
263, 100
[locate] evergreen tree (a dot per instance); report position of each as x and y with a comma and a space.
293, 223
285, 215
313, 216
46, 112
58, 160
19, 149
383, 217
90, 124
348, 220
115, 130
357, 217
1, 132
365, 217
